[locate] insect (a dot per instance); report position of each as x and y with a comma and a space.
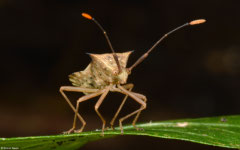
108, 73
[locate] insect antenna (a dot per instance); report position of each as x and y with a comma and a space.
194, 22
85, 15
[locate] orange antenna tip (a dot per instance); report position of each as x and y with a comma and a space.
85, 15
199, 21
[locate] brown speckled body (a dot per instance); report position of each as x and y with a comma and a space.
102, 71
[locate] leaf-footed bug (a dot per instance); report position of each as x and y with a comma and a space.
108, 72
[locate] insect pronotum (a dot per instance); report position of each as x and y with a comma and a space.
108, 72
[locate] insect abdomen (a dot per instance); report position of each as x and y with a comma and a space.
82, 78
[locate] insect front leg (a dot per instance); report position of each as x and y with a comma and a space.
129, 87
75, 89
137, 99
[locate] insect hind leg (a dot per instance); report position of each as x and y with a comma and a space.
75, 89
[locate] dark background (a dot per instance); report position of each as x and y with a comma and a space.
194, 73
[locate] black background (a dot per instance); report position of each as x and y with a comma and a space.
193, 73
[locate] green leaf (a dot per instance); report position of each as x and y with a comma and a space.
217, 131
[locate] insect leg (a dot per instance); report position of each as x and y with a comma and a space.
136, 117
129, 87
81, 99
137, 99
97, 105
75, 89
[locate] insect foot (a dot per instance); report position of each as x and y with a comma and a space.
78, 131
104, 129
139, 129
120, 125
69, 131
112, 127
